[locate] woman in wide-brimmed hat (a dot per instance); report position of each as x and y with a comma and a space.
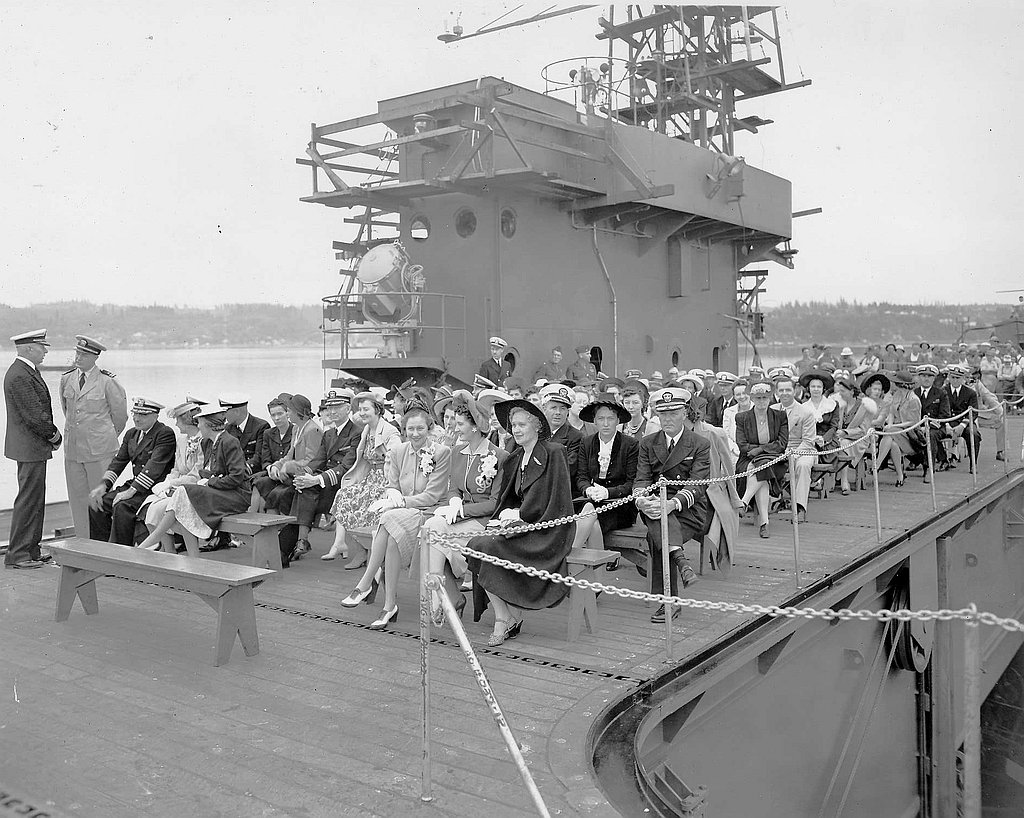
904, 411
471, 497
535, 486
364, 483
827, 414
605, 470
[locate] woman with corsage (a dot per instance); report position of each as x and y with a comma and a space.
471, 498
605, 470
417, 475
196, 509
535, 487
364, 483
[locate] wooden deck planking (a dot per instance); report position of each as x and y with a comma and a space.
122, 715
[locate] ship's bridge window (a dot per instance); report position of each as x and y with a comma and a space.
465, 222
508, 223
420, 228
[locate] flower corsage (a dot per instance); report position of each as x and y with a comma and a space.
427, 460
488, 471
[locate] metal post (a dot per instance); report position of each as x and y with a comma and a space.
666, 577
931, 461
796, 525
970, 442
874, 473
426, 786
489, 697
972, 718
1006, 448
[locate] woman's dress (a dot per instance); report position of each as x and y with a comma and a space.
827, 415
613, 467
421, 478
542, 491
857, 418
761, 439
187, 459
365, 482
199, 508
474, 478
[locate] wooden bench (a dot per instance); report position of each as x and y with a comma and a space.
261, 531
224, 587
582, 563
631, 543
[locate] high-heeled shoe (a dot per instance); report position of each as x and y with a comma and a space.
359, 596
386, 618
355, 565
337, 549
513, 631
495, 639
900, 481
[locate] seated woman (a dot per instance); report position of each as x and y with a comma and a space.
743, 403
827, 414
581, 398
605, 470
445, 430
762, 434
472, 494
196, 509
364, 483
858, 412
635, 397
417, 475
535, 486
276, 486
903, 412
187, 459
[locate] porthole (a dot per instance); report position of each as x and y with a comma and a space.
419, 228
465, 222
508, 223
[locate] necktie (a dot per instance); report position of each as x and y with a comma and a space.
81, 380
141, 433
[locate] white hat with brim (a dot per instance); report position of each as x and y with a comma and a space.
487, 398
231, 400
496, 341
36, 336
670, 398
145, 406
559, 393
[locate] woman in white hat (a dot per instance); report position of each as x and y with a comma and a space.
187, 459
196, 509
471, 497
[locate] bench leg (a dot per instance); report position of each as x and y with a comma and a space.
76, 582
582, 606
266, 550
236, 615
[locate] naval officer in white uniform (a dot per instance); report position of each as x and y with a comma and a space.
95, 412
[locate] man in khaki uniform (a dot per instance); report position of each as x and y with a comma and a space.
95, 412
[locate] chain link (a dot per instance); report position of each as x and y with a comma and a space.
845, 614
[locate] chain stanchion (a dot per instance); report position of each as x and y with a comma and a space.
426, 783
1006, 449
972, 717
666, 577
931, 463
874, 477
434, 583
796, 524
973, 450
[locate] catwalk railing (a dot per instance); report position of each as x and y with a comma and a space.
432, 587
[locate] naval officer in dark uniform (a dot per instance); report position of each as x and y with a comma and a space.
31, 440
555, 401
149, 447
248, 429
95, 414
496, 368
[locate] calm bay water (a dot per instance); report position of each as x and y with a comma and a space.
167, 375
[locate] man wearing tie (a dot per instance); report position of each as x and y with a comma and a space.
149, 447
247, 428
31, 440
934, 404
722, 399
676, 453
961, 397
95, 414
495, 369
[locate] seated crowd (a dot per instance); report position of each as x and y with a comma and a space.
415, 468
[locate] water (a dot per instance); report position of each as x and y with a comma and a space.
166, 375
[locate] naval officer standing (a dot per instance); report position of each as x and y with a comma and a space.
31, 440
95, 413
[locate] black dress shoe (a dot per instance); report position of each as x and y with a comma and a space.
25, 564
45, 558
659, 615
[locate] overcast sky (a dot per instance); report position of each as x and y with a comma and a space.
148, 147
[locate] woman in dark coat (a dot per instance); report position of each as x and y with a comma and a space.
762, 434
196, 509
605, 471
535, 487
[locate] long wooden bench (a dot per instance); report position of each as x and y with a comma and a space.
260, 530
631, 543
582, 563
225, 587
